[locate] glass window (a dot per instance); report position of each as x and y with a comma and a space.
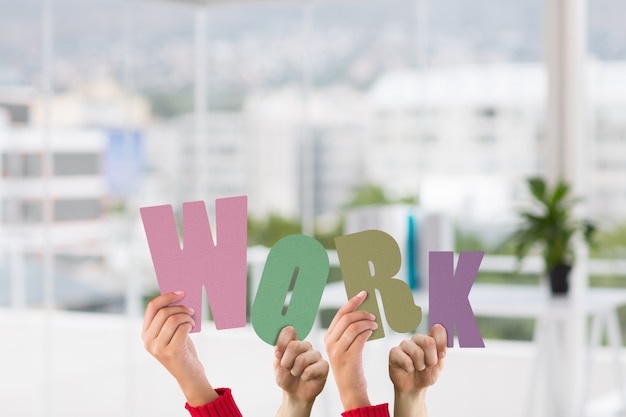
77, 209
77, 164
19, 165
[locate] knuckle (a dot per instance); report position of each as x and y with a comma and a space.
429, 343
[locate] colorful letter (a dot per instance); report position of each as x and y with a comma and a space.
369, 261
299, 264
448, 296
221, 268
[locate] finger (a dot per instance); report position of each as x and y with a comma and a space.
398, 358
303, 360
316, 370
353, 337
347, 321
294, 350
439, 333
348, 307
181, 333
286, 335
411, 348
158, 303
162, 316
424, 353
166, 332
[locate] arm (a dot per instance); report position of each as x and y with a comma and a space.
345, 341
414, 366
165, 335
300, 372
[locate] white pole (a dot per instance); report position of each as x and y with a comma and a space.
200, 101
133, 288
422, 13
47, 162
306, 149
48, 210
133, 296
422, 42
201, 109
566, 56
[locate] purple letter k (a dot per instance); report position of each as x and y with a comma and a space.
448, 292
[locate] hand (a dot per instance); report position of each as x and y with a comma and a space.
414, 366
300, 372
166, 336
345, 341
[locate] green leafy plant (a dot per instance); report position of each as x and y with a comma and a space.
549, 225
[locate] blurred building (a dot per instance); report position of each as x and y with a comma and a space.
181, 167
62, 165
312, 148
483, 127
263, 152
415, 133
607, 194
101, 102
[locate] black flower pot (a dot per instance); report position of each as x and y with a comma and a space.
559, 279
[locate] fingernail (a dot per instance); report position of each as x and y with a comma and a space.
278, 354
362, 294
179, 292
192, 311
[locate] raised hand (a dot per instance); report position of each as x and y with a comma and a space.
414, 366
301, 373
345, 341
165, 335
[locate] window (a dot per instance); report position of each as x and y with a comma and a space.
78, 209
68, 164
19, 165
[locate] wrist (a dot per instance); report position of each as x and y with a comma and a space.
198, 392
292, 406
410, 402
351, 402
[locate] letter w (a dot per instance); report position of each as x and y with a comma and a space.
220, 268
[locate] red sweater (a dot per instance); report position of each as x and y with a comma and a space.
224, 406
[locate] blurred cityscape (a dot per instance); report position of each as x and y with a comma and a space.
302, 105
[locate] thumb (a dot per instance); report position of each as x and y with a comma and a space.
440, 334
286, 335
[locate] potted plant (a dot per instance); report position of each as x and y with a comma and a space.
549, 226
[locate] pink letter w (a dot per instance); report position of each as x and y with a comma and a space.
219, 268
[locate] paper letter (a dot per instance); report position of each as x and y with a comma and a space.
369, 261
221, 268
447, 297
299, 264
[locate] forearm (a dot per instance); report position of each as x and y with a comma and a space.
352, 393
410, 404
197, 391
351, 402
292, 407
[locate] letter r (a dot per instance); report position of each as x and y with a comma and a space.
220, 268
369, 261
448, 296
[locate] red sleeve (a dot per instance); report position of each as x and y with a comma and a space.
223, 406
380, 410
